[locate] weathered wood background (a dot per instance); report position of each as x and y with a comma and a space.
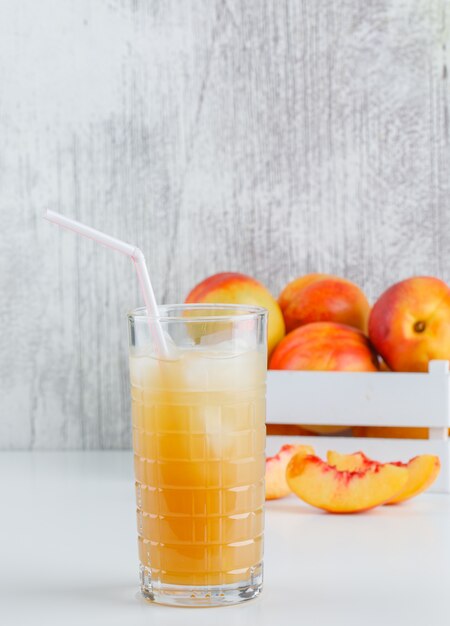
266, 136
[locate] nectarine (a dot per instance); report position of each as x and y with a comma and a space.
325, 346
422, 470
323, 298
409, 324
235, 288
325, 487
292, 289
276, 485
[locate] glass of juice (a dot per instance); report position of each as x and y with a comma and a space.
199, 439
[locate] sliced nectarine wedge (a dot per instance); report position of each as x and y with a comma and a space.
422, 470
276, 485
327, 488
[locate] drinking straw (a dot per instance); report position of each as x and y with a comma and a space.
138, 259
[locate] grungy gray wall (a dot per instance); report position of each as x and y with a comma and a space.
274, 137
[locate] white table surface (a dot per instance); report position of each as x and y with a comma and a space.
68, 555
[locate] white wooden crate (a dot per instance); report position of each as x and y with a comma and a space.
366, 399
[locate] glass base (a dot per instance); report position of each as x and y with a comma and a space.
201, 596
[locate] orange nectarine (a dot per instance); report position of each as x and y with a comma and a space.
235, 288
323, 298
292, 289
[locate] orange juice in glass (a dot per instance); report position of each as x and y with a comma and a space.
199, 438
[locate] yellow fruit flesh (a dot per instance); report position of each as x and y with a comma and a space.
422, 471
320, 485
276, 485
346, 462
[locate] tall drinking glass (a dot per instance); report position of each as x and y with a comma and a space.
199, 438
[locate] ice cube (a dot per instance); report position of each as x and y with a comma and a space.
220, 370
143, 370
193, 371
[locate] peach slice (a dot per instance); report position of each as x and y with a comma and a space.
327, 488
422, 470
276, 485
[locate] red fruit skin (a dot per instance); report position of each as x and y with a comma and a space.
323, 298
409, 325
325, 346
220, 280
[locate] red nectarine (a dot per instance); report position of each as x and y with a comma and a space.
410, 324
325, 346
323, 298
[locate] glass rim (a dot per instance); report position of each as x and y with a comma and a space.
249, 312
